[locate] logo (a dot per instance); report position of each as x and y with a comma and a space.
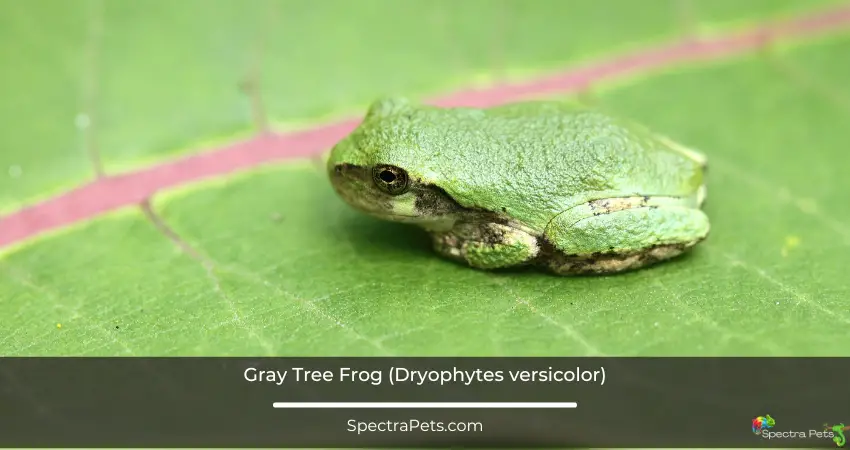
837, 433
762, 423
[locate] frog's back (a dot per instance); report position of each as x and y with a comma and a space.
537, 157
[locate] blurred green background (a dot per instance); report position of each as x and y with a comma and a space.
270, 262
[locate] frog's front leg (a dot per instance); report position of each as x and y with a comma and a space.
617, 234
486, 245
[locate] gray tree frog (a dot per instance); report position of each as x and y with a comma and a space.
548, 183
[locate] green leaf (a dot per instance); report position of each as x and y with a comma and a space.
271, 262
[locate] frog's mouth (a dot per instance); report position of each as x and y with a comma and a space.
421, 204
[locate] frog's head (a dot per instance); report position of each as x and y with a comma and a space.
379, 169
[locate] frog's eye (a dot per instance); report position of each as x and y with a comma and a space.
390, 179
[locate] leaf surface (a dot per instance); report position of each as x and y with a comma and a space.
271, 262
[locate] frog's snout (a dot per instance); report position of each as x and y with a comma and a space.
344, 172
351, 182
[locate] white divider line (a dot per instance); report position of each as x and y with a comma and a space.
418, 405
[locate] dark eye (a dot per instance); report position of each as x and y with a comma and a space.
390, 179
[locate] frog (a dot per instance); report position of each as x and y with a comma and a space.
549, 183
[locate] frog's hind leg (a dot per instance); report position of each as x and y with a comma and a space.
701, 194
487, 245
691, 154
618, 234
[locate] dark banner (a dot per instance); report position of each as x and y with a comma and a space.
425, 402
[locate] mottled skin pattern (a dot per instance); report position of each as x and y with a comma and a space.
545, 183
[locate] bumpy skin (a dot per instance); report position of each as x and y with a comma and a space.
545, 183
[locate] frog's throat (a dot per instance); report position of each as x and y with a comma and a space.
440, 224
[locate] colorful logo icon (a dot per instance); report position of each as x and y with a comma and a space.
837, 433
762, 423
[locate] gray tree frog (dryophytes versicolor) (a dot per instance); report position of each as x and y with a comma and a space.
540, 182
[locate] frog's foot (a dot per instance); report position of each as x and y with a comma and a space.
602, 263
487, 245
625, 233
